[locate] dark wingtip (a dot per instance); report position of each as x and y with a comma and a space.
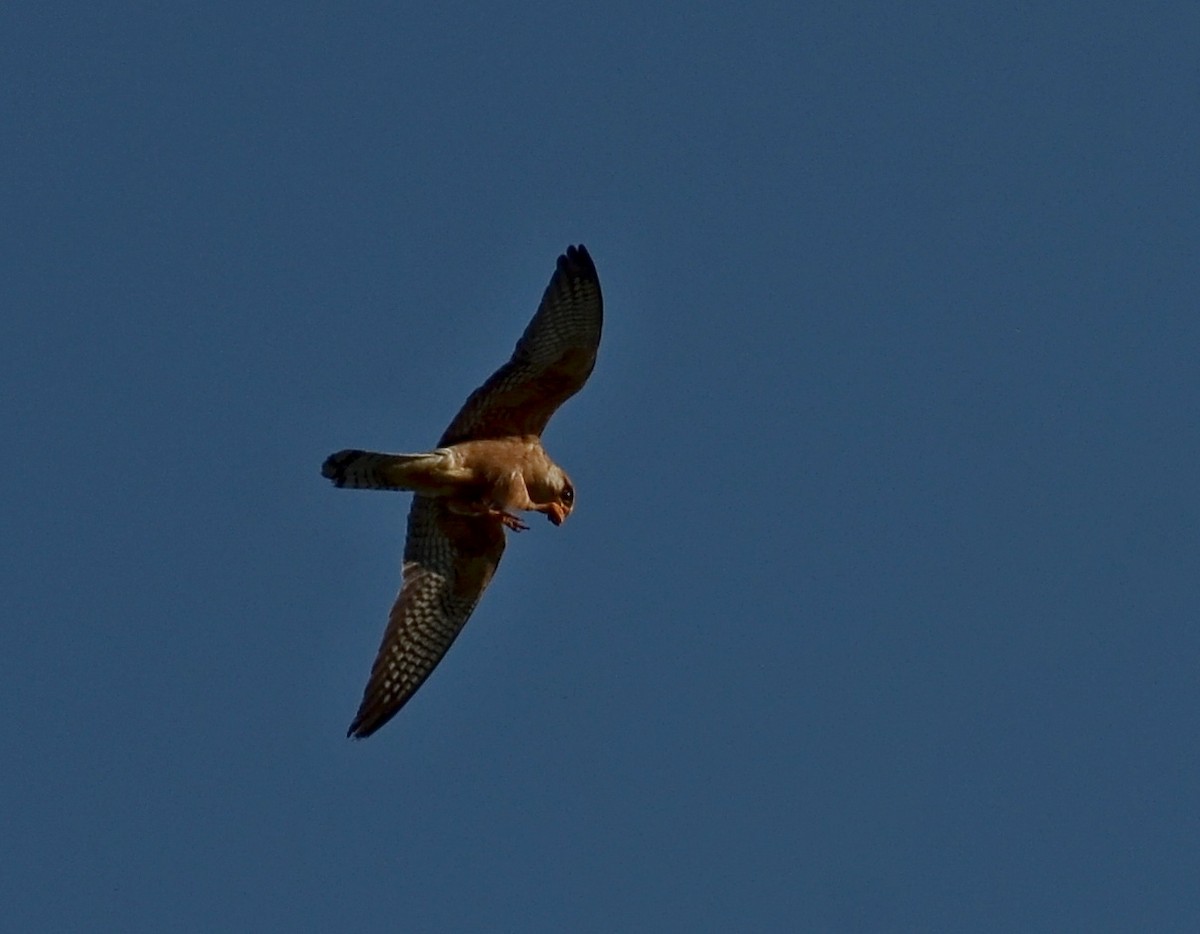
356, 730
577, 260
365, 725
371, 717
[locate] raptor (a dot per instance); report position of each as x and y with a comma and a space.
488, 466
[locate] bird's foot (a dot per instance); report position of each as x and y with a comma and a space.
510, 521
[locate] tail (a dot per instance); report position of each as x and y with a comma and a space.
367, 470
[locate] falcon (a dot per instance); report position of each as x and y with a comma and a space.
488, 466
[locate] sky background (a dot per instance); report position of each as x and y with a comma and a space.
878, 610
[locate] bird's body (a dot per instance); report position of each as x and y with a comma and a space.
488, 466
492, 476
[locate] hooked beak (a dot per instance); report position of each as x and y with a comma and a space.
556, 513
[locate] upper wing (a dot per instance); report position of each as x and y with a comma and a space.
551, 362
448, 562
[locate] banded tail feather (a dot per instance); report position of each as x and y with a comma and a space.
370, 470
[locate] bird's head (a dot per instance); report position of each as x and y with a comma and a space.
564, 496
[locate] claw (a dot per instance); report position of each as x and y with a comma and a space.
510, 521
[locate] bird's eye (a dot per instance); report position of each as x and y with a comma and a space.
568, 495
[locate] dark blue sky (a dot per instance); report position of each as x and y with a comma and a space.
878, 611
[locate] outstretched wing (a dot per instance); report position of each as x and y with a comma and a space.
551, 362
448, 562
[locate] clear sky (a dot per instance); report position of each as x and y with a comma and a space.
878, 609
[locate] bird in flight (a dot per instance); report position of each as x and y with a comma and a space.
488, 466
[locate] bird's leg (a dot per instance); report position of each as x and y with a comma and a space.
488, 508
485, 507
507, 494
510, 521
